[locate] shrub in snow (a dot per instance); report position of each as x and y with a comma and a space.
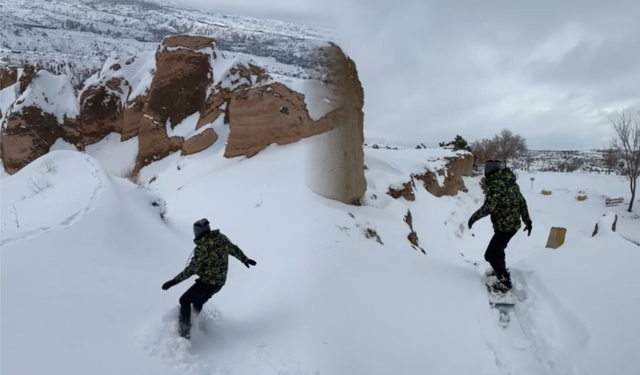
40, 181
130, 175
371, 233
49, 166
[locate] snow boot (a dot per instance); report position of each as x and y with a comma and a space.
184, 329
504, 283
490, 272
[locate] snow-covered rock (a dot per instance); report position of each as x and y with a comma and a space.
46, 111
170, 100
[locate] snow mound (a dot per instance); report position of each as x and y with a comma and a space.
51, 93
605, 224
75, 270
48, 193
53, 192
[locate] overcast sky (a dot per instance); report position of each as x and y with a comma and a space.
548, 70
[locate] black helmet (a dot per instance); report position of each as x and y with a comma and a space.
491, 166
200, 228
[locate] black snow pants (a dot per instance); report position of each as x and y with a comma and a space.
495, 251
198, 295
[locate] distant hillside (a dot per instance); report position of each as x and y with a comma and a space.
581, 161
75, 37
589, 161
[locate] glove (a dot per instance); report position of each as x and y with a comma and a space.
169, 284
471, 222
528, 227
250, 262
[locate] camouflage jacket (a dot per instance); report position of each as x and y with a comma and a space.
503, 202
211, 259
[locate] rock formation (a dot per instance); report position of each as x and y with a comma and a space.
335, 160
44, 112
413, 236
406, 192
170, 101
456, 168
8, 76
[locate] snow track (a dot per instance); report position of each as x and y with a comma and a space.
521, 348
42, 182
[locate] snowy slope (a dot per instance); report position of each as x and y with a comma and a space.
337, 289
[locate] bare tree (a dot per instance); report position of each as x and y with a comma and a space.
528, 160
509, 145
627, 143
483, 150
610, 158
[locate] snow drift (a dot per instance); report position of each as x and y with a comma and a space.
76, 263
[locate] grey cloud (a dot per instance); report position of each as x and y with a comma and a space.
593, 63
433, 69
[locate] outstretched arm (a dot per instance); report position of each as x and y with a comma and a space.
234, 250
191, 268
487, 208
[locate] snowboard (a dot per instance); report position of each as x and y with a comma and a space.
503, 302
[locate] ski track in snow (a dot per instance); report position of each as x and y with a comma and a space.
518, 348
159, 338
72, 219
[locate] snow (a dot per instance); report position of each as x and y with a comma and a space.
324, 298
185, 128
221, 66
581, 304
138, 73
217, 123
8, 96
51, 93
114, 155
61, 144
205, 51
316, 96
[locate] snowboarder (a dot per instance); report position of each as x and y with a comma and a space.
210, 262
506, 205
